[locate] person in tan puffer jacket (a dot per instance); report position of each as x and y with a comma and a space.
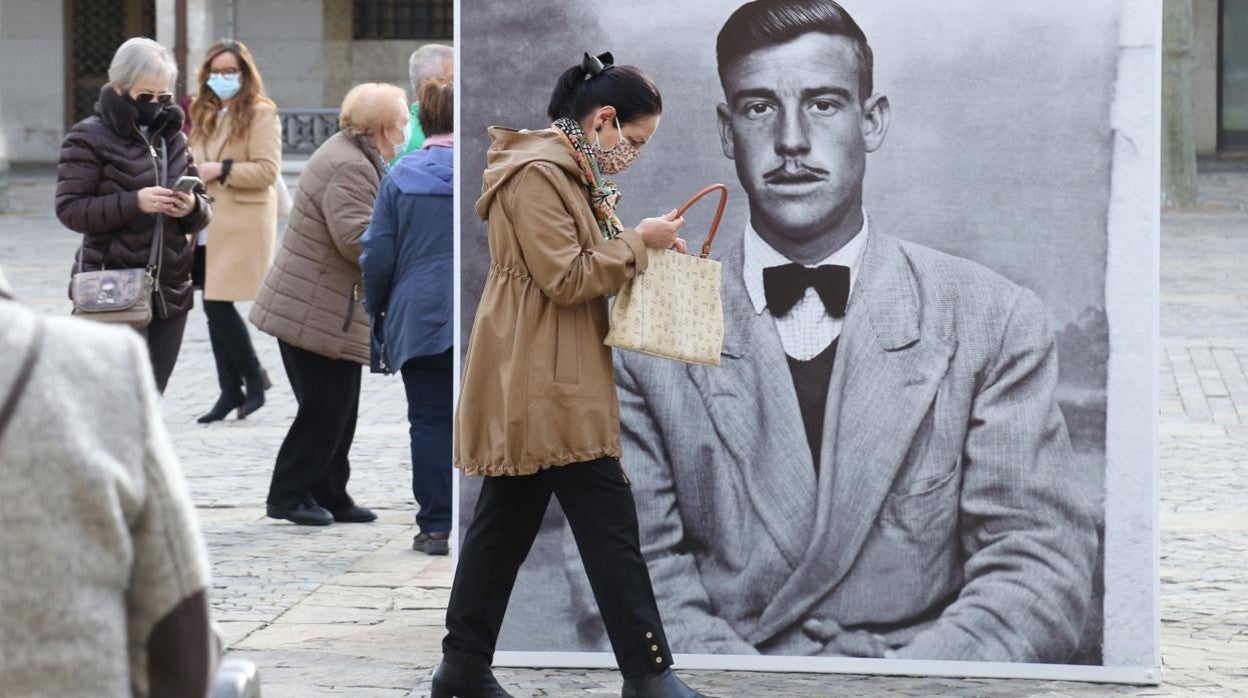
310, 301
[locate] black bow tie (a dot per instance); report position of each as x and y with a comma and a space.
785, 285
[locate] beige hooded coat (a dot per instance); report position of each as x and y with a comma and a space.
538, 387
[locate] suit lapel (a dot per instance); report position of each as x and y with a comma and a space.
752, 402
883, 383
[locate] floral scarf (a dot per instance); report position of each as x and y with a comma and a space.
603, 195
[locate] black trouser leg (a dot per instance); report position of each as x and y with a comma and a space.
598, 501
229, 380
508, 515
226, 326
328, 392
164, 341
330, 490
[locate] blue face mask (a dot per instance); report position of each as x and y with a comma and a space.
407, 134
225, 86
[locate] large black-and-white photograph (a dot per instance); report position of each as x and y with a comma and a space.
930, 433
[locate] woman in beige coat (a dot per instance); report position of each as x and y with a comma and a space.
310, 301
538, 414
236, 138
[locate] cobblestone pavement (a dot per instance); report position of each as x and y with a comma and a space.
351, 611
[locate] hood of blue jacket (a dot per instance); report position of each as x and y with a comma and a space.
429, 171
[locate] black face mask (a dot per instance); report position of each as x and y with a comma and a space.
147, 110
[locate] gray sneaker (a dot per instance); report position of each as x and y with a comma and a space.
431, 543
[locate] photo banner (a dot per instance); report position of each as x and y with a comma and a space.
984, 497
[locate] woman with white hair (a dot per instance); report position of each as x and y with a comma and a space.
310, 300
115, 186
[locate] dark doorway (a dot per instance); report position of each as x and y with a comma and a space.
1233, 75
93, 31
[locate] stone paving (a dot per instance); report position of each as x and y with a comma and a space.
351, 611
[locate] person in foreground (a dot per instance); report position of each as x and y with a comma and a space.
409, 290
538, 413
103, 570
310, 301
879, 467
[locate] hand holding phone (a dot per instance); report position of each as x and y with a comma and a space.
187, 183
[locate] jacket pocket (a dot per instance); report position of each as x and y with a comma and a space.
355, 295
925, 508
251, 196
567, 355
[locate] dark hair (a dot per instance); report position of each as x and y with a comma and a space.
625, 87
437, 108
765, 23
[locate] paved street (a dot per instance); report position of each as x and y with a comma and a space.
351, 611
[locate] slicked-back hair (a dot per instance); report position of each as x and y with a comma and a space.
766, 23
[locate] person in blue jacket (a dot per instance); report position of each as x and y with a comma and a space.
408, 265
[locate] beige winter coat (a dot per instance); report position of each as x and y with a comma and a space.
311, 297
243, 231
538, 389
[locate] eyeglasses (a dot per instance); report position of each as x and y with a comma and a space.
161, 97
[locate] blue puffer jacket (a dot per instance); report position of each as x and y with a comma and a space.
408, 260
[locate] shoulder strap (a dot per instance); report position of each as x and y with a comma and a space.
23, 378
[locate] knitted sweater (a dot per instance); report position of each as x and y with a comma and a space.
103, 571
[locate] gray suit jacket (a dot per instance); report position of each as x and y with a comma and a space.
949, 518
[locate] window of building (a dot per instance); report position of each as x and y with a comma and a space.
402, 19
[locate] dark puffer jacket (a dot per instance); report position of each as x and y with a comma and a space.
105, 160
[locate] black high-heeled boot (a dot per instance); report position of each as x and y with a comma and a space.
664, 685
465, 676
225, 403
256, 383
227, 379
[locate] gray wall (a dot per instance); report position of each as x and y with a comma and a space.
32, 40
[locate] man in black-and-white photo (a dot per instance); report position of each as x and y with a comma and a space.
879, 466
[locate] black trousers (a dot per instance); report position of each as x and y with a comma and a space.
231, 346
313, 459
227, 333
164, 343
598, 501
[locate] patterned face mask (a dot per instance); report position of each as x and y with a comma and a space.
617, 159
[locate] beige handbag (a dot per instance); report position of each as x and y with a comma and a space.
673, 308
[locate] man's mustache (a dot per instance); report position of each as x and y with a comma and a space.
795, 173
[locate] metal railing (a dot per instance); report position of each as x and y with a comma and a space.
304, 130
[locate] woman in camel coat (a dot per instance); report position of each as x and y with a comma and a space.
236, 136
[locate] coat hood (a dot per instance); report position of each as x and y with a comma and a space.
510, 151
430, 171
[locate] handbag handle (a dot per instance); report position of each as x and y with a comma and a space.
719, 212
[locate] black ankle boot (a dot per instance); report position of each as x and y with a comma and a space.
465, 676
664, 685
256, 384
225, 403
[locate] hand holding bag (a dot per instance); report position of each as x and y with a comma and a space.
673, 308
121, 296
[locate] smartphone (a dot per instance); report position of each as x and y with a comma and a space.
187, 183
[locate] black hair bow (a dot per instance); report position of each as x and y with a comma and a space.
596, 65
